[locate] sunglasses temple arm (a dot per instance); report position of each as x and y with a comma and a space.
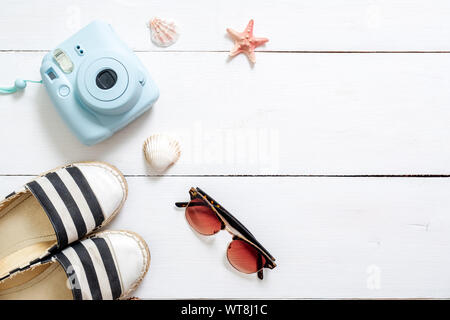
181, 204
261, 267
261, 274
191, 204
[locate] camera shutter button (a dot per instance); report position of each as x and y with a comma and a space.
64, 91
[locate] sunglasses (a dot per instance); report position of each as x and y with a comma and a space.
208, 217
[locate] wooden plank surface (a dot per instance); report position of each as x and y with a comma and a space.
292, 114
290, 25
321, 100
332, 237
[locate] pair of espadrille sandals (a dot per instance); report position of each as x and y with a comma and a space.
48, 248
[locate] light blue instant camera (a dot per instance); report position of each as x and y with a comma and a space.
97, 83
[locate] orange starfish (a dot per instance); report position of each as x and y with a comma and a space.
245, 42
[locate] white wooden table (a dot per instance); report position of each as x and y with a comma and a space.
323, 149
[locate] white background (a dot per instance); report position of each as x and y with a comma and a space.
323, 149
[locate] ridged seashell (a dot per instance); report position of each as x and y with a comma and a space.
164, 33
161, 151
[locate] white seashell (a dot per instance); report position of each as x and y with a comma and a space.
161, 151
164, 33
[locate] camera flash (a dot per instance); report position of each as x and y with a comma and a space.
63, 61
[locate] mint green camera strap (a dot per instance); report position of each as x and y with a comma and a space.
19, 84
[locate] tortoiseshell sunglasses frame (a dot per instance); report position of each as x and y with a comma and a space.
231, 224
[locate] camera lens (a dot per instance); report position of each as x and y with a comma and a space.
106, 79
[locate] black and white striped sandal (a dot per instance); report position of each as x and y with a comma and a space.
56, 209
108, 265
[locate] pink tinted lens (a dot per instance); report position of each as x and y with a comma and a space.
202, 218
